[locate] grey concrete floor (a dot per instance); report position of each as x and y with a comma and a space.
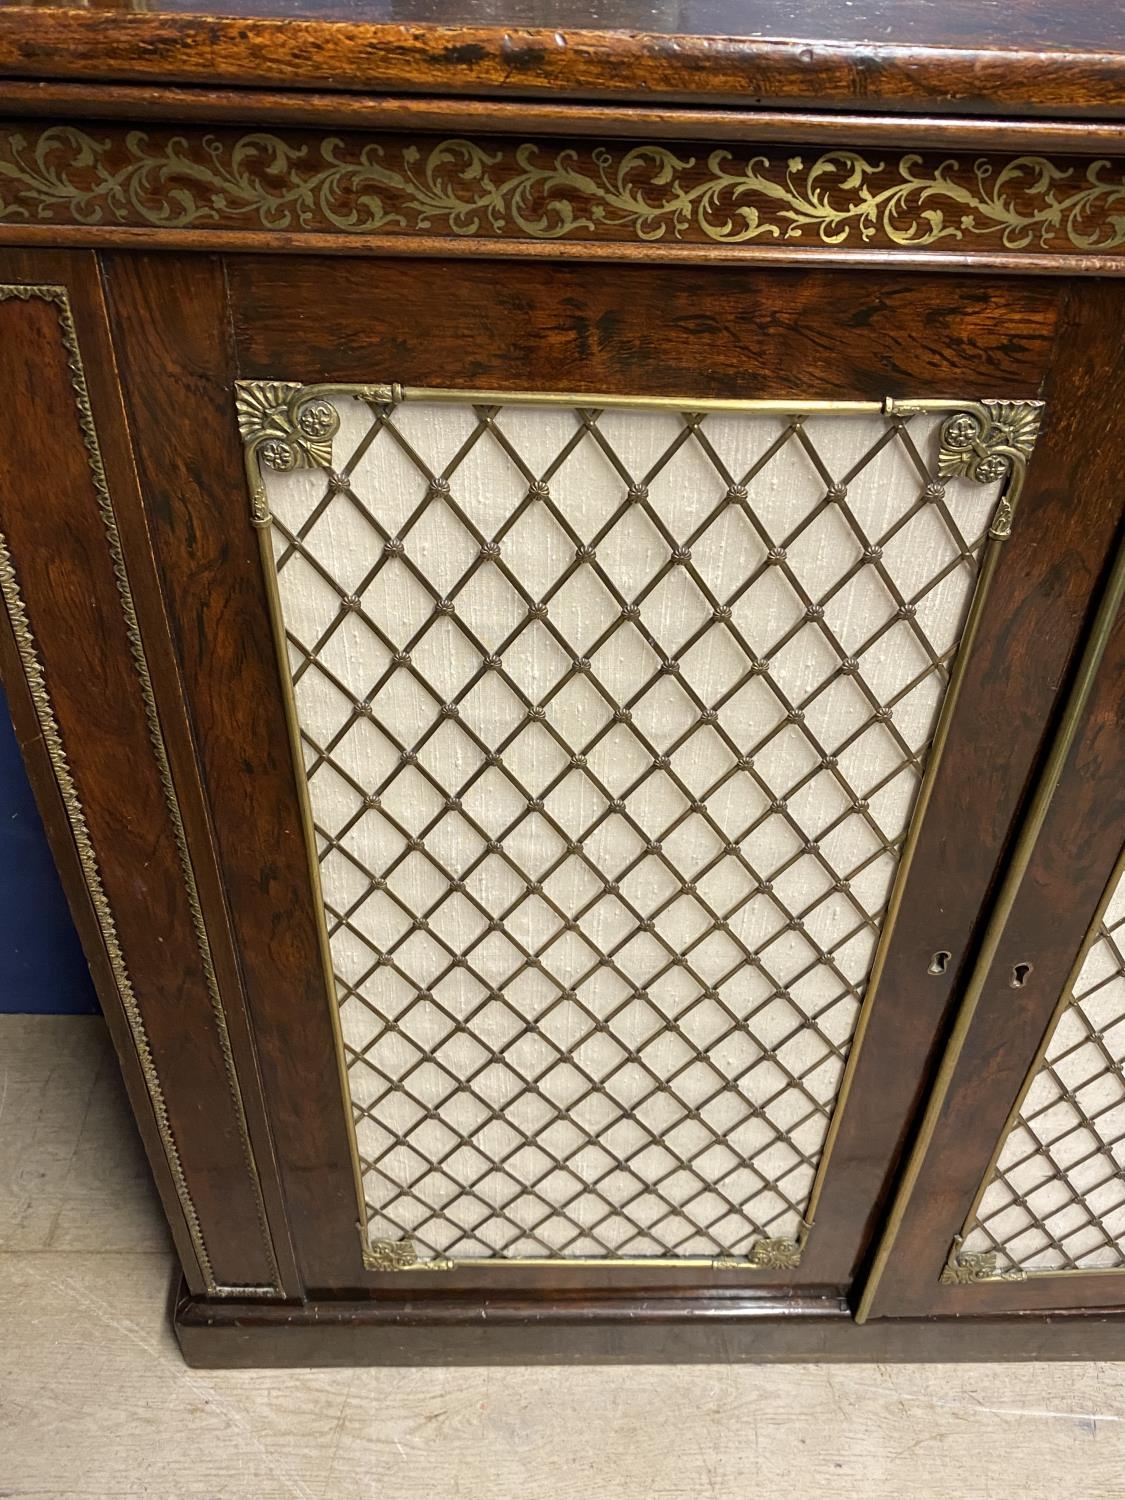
95, 1401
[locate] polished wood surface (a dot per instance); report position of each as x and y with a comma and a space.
169, 953
201, 255
605, 119
964, 56
178, 368
776, 334
1070, 867
617, 1330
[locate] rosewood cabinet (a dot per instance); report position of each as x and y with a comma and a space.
562, 598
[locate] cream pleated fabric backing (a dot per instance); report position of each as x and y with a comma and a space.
1056, 1201
613, 725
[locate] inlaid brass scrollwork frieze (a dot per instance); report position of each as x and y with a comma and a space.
563, 192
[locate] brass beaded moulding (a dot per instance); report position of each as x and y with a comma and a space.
287, 426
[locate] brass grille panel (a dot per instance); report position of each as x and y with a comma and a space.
1055, 1200
613, 723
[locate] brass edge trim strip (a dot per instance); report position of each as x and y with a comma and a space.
1065, 1000
52, 740
271, 412
58, 296
1061, 1274
312, 863
764, 1255
1076, 703
913, 835
448, 395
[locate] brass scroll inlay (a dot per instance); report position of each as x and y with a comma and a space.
646, 194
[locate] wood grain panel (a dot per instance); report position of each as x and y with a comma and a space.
1036, 59
171, 324
660, 331
123, 779
1074, 854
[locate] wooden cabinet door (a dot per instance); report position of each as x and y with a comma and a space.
604, 694
1013, 1194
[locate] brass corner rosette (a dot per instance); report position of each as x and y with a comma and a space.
400, 1255
285, 425
988, 442
766, 1255
968, 1269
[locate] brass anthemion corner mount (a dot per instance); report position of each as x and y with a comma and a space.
970, 1270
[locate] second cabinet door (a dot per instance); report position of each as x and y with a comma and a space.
1014, 1195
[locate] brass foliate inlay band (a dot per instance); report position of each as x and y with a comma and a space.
648, 194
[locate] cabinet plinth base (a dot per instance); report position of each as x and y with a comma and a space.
732, 1329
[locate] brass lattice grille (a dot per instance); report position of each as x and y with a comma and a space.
613, 724
1056, 1197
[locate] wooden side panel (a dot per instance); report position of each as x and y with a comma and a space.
88, 668
171, 326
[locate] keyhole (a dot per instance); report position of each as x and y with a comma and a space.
940, 962
1019, 975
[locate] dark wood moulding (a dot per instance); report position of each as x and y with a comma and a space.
638, 1329
1033, 59
363, 111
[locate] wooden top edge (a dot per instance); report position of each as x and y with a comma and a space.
604, 119
1050, 80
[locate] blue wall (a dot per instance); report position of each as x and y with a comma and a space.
41, 962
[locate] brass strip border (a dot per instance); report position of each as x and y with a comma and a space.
289, 419
1076, 704
33, 671
1066, 998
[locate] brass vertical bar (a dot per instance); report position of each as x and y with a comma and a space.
277, 630
914, 832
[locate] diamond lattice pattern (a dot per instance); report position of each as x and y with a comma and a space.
1056, 1201
613, 724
